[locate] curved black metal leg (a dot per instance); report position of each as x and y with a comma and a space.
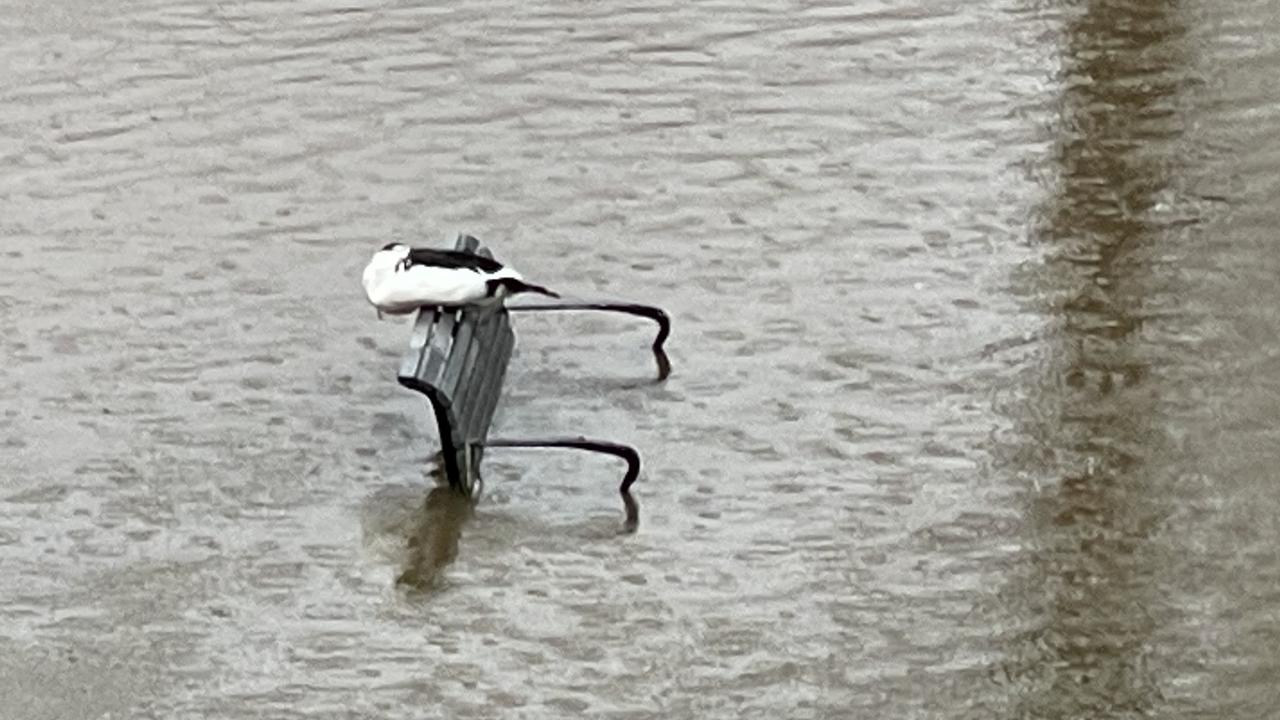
655, 314
626, 452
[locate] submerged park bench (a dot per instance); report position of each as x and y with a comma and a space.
458, 358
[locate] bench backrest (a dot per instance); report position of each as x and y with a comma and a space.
458, 358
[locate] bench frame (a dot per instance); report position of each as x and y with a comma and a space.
458, 359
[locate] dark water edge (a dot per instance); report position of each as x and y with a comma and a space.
975, 392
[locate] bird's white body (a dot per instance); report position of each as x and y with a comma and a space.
395, 289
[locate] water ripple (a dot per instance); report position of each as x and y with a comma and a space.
920, 404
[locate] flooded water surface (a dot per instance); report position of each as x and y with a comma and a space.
974, 410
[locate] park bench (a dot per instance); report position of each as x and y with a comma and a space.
458, 358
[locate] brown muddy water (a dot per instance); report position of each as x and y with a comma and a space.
976, 390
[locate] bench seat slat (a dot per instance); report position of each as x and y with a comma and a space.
490, 396
487, 385
451, 374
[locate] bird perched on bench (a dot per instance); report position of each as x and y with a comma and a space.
400, 279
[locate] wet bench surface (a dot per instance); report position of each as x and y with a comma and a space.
458, 358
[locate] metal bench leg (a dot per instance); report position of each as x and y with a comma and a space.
474, 480
626, 452
655, 314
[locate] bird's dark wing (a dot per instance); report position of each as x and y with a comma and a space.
453, 259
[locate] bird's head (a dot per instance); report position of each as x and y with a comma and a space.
389, 256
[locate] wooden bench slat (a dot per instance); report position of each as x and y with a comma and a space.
439, 347
423, 327
451, 374
483, 417
467, 359
488, 385
481, 362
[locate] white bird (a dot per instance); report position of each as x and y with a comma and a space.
400, 279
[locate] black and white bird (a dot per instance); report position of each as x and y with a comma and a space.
400, 279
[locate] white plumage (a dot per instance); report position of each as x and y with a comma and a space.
398, 279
